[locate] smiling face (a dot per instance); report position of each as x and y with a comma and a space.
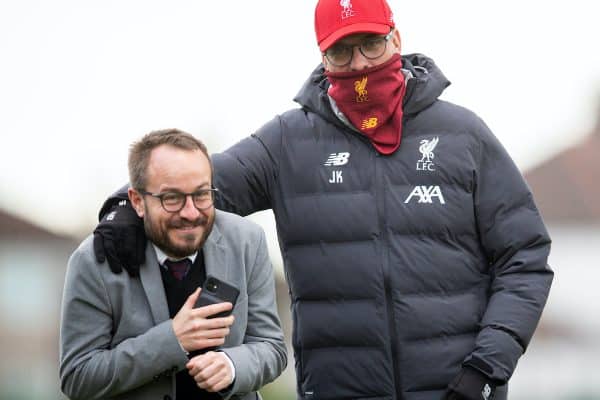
172, 169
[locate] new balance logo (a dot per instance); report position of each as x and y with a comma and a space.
369, 123
486, 392
337, 159
426, 194
123, 203
111, 216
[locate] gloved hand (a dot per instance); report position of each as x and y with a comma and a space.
470, 384
120, 239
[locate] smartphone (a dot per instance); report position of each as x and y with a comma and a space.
216, 291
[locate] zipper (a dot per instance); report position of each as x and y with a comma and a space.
393, 339
384, 251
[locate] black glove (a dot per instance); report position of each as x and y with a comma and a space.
470, 384
120, 238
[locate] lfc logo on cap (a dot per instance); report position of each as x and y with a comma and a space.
347, 10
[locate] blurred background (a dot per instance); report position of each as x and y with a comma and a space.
81, 80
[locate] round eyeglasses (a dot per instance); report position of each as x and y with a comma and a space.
175, 201
371, 47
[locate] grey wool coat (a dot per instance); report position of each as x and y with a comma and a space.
116, 337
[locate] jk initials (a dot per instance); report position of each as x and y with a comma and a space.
336, 177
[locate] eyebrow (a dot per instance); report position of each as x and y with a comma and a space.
169, 189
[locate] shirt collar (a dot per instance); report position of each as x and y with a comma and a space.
162, 257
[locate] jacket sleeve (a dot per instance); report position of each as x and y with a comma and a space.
516, 243
245, 174
113, 199
91, 366
262, 357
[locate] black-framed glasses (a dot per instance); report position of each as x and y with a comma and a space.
175, 201
371, 47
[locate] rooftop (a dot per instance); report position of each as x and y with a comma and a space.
567, 186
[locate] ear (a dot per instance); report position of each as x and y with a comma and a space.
324, 61
137, 201
396, 41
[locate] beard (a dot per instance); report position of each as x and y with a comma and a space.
158, 233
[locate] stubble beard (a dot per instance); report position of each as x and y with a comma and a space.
158, 233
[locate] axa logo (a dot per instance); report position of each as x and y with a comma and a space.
426, 195
337, 159
360, 87
427, 155
347, 10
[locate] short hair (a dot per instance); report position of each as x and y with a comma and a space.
139, 153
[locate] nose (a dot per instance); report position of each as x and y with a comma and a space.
189, 210
358, 61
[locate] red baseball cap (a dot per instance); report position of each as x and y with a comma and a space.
335, 19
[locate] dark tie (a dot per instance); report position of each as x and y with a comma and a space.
179, 269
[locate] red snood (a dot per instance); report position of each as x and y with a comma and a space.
372, 100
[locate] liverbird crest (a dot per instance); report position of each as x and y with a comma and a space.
426, 149
360, 87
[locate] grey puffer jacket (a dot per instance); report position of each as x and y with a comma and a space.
401, 268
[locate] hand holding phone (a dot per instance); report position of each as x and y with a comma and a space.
216, 291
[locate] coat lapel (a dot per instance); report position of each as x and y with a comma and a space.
153, 286
216, 258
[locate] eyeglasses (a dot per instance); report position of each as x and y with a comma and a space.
175, 201
372, 47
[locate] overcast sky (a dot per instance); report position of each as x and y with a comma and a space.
80, 80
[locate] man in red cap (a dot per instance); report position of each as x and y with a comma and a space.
415, 255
